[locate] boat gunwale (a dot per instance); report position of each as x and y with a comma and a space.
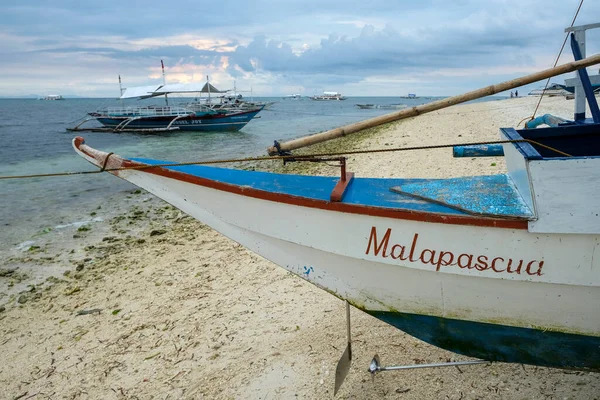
412, 215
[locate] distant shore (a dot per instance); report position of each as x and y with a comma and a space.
151, 303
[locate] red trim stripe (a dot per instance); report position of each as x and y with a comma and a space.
325, 205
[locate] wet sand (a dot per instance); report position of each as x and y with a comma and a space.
153, 304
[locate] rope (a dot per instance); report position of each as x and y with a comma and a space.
555, 62
106, 162
283, 157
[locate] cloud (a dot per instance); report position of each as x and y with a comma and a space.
274, 45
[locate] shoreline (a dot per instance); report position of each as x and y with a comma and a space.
158, 304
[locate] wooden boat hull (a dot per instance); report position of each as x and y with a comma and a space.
230, 122
479, 286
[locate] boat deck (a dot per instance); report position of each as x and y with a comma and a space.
490, 196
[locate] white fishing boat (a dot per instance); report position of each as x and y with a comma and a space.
502, 267
328, 96
552, 90
52, 97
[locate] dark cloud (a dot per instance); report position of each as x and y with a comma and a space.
346, 41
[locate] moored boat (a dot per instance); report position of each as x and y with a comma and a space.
486, 270
226, 114
327, 96
498, 267
173, 118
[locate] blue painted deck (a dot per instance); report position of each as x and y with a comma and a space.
480, 195
485, 195
500, 342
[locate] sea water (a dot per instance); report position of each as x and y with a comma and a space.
34, 140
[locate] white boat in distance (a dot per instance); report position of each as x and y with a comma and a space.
328, 96
552, 90
52, 97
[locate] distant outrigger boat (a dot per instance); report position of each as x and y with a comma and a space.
197, 115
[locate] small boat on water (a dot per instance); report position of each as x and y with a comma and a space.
227, 100
327, 96
381, 106
293, 96
52, 97
502, 267
552, 90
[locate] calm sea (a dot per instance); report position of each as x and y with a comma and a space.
34, 140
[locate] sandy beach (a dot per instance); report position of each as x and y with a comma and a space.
155, 305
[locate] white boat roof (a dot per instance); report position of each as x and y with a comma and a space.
140, 91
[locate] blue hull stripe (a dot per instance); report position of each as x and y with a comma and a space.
500, 342
208, 123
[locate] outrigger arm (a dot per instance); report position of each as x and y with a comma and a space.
343, 365
376, 367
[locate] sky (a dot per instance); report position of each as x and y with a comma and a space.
280, 47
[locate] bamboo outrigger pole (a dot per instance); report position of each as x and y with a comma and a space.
436, 105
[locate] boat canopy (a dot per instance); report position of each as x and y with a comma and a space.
140, 91
145, 92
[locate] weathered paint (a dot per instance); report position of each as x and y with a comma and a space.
484, 150
369, 196
478, 195
562, 190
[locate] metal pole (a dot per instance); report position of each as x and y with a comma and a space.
164, 80
415, 366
